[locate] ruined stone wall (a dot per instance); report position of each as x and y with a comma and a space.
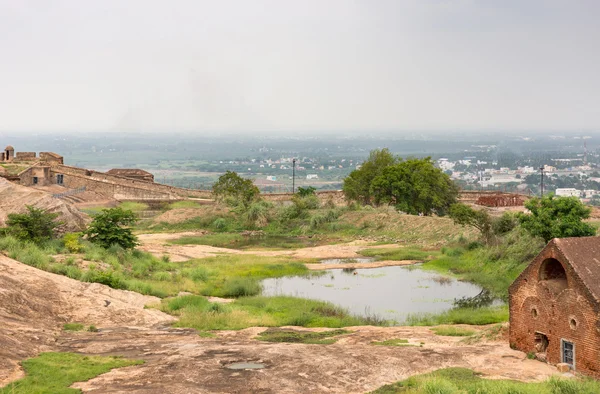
26, 178
570, 314
472, 196
25, 156
121, 188
501, 200
51, 158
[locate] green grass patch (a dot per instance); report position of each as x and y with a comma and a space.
196, 312
463, 380
238, 241
472, 316
55, 372
495, 267
450, 331
393, 342
224, 276
133, 206
184, 205
400, 254
73, 327
294, 336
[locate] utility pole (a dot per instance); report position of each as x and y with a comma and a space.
542, 180
293, 176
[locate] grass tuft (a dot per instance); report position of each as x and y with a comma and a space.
55, 372
294, 336
449, 331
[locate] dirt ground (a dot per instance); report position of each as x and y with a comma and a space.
35, 304
158, 245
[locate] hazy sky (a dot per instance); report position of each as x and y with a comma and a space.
299, 65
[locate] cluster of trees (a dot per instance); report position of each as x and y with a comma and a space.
414, 186
550, 217
109, 227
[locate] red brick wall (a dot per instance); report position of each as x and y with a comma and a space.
555, 310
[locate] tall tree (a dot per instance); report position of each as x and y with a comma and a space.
235, 190
357, 185
415, 186
556, 217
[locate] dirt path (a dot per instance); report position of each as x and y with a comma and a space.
158, 245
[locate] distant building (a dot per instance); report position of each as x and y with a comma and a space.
312, 176
567, 192
132, 173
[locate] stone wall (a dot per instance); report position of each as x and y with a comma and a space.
25, 156
558, 312
121, 188
42, 173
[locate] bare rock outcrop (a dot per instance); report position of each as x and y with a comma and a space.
34, 306
14, 198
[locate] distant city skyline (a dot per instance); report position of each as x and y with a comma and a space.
272, 66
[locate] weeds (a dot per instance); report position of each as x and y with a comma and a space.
462, 380
449, 331
294, 336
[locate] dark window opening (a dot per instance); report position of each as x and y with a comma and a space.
35, 180
573, 323
59, 179
568, 353
554, 274
541, 342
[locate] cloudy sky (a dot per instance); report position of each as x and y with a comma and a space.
305, 65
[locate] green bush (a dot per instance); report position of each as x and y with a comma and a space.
110, 227
71, 241
36, 225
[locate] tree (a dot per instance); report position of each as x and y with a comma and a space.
556, 217
414, 186
35, 225
110, 227
306, 191
235, 190
357, 185
477, 218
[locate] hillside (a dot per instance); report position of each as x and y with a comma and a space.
14, 198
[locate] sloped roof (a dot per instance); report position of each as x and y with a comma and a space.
583, 255
128, 172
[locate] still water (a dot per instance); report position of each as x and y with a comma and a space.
388, 292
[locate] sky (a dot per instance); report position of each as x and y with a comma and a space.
308, 66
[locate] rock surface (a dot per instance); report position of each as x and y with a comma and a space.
14, 198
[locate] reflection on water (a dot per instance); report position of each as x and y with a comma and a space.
388, 292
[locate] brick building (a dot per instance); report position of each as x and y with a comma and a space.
555, 305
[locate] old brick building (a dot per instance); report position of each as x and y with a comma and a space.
555, 305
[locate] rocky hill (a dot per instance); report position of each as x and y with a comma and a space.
14, 199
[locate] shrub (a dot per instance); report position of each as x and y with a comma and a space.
35, 225
109, 227
71, 241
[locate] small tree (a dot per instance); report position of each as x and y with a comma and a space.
306, 191
235, 190
110, 227
35, 225
556, 217
479, 219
